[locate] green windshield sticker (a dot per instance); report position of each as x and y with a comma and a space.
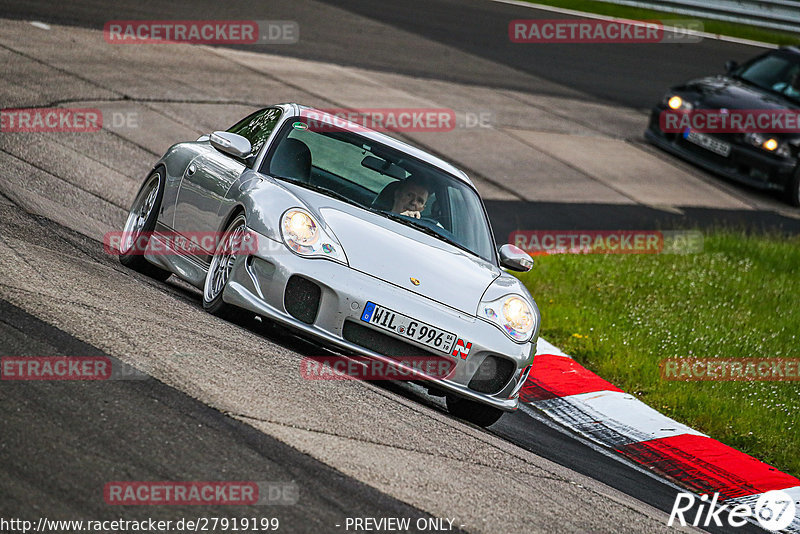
300, 126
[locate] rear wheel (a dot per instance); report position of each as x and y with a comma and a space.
220, 270
139, 225
474, 412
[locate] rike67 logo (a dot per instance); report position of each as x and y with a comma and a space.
774, 510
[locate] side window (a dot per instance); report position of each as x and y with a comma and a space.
257, 127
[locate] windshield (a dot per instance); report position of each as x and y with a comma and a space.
352, 168
778, 72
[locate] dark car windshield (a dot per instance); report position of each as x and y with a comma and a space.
358, 170
777, 72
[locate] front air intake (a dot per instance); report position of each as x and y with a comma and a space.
492, 375
301, 299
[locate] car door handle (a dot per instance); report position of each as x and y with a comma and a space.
190, 171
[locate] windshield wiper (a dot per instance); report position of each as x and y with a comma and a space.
408, 221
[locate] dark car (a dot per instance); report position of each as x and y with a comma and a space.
742, 125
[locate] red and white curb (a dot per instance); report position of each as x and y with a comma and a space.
601, 412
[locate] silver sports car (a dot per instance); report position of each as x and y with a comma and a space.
363, 243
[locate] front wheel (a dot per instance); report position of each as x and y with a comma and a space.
474, 412
220, 270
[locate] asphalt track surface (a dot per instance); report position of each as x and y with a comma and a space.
63, 440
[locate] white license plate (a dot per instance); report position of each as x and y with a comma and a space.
408, 327
709, 143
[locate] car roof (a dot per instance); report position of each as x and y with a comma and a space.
379, 137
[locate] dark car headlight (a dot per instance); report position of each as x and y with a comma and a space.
303, 234
770, 144
675, 102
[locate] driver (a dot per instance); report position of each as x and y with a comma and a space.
411, 197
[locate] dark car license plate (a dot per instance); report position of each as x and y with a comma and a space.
709, 143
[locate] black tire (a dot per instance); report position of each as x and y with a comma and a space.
218, 275
792, 191
474, 412
141, 221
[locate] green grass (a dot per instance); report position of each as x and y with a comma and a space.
620, 315
742, 31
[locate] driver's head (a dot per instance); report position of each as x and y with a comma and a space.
412, 195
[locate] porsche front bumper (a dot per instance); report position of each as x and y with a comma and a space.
259, 283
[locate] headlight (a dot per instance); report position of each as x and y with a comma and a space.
512, 314
675, 102
300, 229
770, 144
303, 234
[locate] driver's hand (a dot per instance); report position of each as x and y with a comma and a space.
408, 213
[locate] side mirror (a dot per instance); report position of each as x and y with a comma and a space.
514, 258
731, 66
231, 143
